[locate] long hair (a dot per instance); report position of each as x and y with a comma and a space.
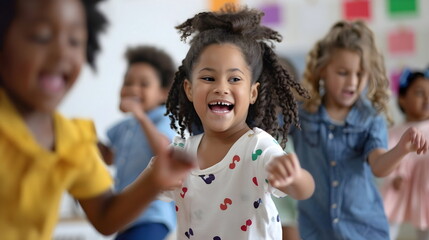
357, 37
240, 27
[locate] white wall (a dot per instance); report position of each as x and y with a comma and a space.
135, 22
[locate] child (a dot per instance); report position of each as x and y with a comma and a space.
229, 85
406, 191
135, 140
43, 44
343, 138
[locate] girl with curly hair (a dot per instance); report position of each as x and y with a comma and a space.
229, 86
343, 137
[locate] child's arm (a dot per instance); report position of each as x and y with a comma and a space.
109, 213
384, 162
106, 153
285, 173
156, 139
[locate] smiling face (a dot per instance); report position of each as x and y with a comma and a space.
142, 82
415, 102
43, 53
221, 89
344, 80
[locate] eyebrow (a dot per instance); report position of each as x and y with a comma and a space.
229, 70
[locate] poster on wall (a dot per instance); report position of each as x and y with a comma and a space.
357, 9
273, 14
401, 41
402, 7
216, 5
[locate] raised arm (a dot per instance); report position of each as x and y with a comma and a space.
110, 212
383, 162
156, 139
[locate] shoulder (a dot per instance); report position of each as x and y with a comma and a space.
364, 115
180, 142
75, 129
260, 138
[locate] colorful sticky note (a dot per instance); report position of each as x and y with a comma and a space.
216, 5
395, 74
401, 41
397, 7
273, 14
357, 9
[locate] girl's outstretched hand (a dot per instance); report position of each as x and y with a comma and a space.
413, 140
285, 173
283, 170
168, 170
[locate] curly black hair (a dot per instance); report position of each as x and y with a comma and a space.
96, 23
157, 58
240, 27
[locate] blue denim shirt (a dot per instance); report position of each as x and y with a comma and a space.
346, 203
132, 155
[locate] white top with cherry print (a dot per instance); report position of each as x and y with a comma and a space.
230, 200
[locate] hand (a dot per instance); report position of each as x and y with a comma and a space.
397, 183
283, 170
131, 104
413, 140
169, 169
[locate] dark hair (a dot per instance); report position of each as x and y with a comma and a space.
242, 28
96, 23
157, 58
406, 80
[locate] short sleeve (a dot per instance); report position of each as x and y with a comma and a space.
270, 150
164, 127
377, 136
112, 135
92, 177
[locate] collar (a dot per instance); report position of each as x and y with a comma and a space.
69, 134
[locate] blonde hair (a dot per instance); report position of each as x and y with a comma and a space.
357, 37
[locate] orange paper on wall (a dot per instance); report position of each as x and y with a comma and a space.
216, 5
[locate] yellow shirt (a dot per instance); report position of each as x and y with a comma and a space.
33, 179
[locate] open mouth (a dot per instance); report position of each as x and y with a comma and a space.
53, 83
349, 92
221, 107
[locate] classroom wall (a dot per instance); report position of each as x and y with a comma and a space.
302, 23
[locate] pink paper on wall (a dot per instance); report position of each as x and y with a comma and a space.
394, 80
273, 14
357, 9
401, 41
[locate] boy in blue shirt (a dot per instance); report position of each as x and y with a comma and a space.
134, 140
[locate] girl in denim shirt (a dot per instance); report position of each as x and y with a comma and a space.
343, 137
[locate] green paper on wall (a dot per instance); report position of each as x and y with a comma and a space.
402, 7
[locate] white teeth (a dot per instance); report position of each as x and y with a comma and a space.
221, 103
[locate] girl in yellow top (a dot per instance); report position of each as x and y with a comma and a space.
43, 44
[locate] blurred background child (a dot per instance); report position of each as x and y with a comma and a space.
406, 190
343, 136
43, 46
135, 139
